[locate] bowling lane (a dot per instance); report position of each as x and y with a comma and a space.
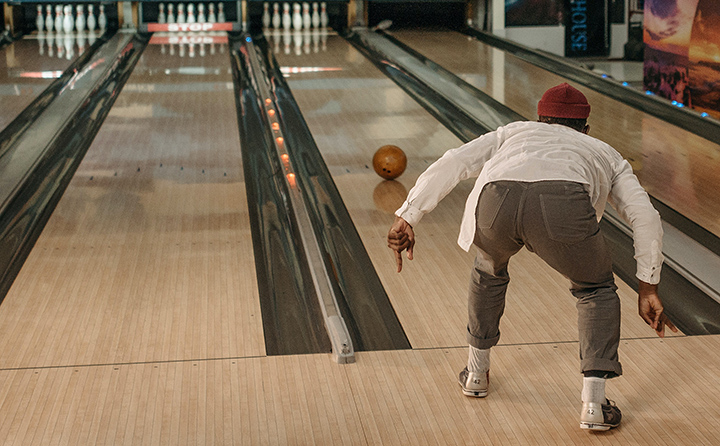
352, 109
148, 255
675, 166
28, 66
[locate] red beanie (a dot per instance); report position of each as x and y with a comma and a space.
564, 101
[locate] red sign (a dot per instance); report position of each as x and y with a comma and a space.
184, 27
193, 39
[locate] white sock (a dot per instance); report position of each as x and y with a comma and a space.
478, 360
593, 390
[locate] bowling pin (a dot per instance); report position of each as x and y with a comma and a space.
276, 20
40, 21
181, 51
297, 37
48, 19
201, 14
191, 50
80, 19
59, 44
69, 46
161, 13
41, 40
323, 15
58, 18
68, 22
306, 41
266, 15
287, 40
81, 43
306, 15
286, 20
297, 17
91, 37
211, 13
276, 40
221, 13
315, 16
316, 39
181, 13
91, 22
191, 13
171, 13
102, 20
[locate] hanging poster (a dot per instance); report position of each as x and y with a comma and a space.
704, 59
667, 28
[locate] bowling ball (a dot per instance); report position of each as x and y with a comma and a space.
389, 162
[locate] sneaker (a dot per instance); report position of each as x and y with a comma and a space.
600, 417
474, 384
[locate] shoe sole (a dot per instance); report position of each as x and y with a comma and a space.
476, 394
597, 426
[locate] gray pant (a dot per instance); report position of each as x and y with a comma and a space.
555, 220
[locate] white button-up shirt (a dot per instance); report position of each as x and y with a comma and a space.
534, 151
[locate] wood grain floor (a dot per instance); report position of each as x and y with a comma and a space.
674, 165
669, 394
148, 255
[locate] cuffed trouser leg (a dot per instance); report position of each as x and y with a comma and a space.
496, 242
486, 304
560, 225
598, 327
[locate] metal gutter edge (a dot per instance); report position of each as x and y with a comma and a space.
27, 117
684, 117
366, 308
340, 340
25, 214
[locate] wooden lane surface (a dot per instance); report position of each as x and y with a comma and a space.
148, 255
675, 166
20, 66
668, 394
351, 113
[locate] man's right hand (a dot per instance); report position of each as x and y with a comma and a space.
401, 237
651, 309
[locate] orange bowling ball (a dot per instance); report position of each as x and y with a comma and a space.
389, 162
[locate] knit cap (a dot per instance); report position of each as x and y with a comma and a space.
564, 101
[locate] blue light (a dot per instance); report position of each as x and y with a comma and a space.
704, 115
648, 92
674, 102
625, 84
680, 104
604, 75
248, 39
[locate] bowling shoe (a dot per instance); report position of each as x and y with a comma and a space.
474, 384
600, 417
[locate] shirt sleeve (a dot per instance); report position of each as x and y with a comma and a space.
632, 202
444, 174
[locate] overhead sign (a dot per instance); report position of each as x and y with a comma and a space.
586, 28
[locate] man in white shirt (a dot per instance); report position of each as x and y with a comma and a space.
544, 185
